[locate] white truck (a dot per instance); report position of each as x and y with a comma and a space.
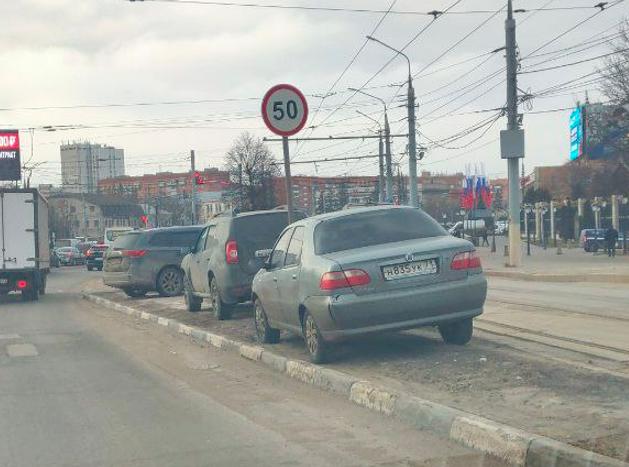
24, 242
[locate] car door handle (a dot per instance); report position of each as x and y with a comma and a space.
294, 277
275, 279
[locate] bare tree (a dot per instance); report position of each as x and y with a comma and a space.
615, 74
251, 167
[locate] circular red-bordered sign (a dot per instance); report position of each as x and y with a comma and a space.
284, 109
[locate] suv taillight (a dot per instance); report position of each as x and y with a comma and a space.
466, 260
133, 253
231, 252
341, 279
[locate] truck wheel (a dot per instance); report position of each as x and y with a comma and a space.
458, 333
30, 295
170, 282
221, 309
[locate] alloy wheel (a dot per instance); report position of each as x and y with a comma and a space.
171, 282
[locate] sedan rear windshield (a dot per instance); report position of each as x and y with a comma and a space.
127, 241
374, 228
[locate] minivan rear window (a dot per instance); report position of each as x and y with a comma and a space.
127, 241
374, 228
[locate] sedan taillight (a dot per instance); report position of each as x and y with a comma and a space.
466, 260
342, 279
133, 253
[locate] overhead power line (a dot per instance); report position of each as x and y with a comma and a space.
433, 13
564, 65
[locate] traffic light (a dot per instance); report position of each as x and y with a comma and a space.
198, 179
144, 219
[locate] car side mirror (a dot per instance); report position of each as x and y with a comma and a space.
263, 254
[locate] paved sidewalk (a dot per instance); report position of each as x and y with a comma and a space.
572, 262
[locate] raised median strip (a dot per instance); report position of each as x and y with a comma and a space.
507, 443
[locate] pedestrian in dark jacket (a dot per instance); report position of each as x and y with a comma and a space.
611, 237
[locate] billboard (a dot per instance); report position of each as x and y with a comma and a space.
10, 166
576, 133
606, 130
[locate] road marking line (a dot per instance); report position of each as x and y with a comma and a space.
9, 336
22, 350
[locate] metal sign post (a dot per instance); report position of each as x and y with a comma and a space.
285, 112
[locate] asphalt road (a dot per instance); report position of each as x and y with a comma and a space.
82, 386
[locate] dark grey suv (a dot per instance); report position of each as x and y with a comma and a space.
222, 264
142, 261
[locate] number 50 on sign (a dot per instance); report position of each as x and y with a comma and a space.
284, 110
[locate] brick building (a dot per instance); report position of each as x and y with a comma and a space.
146, 188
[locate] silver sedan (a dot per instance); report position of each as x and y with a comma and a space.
354, 272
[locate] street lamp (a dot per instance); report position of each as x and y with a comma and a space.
381, 195
387, 144
412, 143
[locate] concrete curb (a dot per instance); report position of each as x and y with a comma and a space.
543, 277
509, 444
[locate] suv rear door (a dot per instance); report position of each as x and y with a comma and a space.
200, 262
257, 232
116, 259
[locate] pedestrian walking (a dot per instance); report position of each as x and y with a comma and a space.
611, 237
484, 237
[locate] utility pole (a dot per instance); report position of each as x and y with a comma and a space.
381, 194
387, 156
412, 141
193, 191
512, 141
412, 144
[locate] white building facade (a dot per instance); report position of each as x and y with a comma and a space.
84, 164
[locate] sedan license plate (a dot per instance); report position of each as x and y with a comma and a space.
414, 268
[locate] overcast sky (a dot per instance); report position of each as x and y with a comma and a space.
71, 53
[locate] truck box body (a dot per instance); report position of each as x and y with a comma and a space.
24, 241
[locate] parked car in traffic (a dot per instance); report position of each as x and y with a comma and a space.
69, 256
591, 240
354, 272
222, 264
94, 256
140, 261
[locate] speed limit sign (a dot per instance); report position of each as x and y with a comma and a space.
284, 110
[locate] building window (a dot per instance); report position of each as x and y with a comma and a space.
92, 208
72, 209
96, 224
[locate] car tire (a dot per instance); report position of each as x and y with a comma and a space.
594, 247
135, 293
100, 268
222, 310
316, 347
90, 268
170, 282
193, 303
42, 285
458, 332
265, 334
